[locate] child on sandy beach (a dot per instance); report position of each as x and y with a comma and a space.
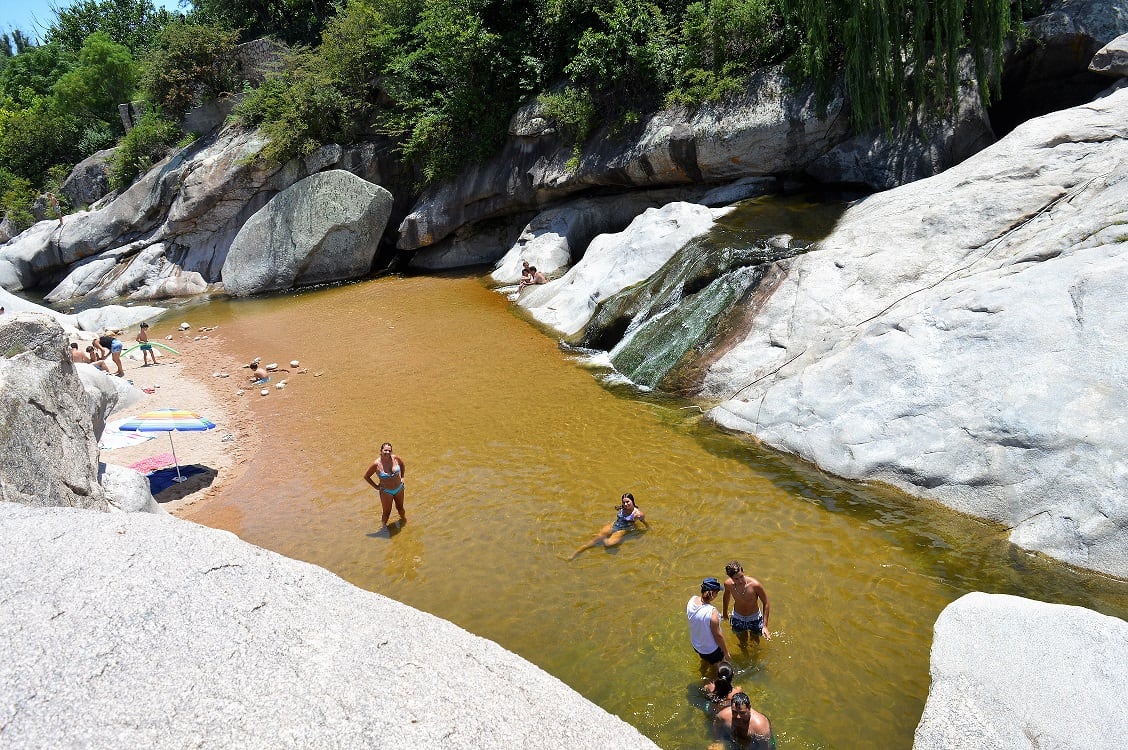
146, 347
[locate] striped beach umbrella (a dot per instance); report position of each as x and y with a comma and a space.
170, 421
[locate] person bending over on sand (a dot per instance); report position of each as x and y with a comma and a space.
113, 346
626, 515
746, 594
390, 470
743, 725
720, 691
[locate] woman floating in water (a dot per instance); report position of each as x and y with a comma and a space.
390, 469
611, 534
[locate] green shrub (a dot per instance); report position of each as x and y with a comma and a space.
570, 109
95, 137
189, 62
723, 42
16, 198
144, 145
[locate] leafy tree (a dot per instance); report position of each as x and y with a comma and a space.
37, 136
32, 73
16, 197
133, 23
190, 62
723, 41
628, 60
103, 78
898, 55
293, 21
15, 43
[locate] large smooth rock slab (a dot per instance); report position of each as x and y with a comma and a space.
92, 319
772, 127
323, 228
613, 262
46, 432
556, 238
962, 338
1011, 673
137, 630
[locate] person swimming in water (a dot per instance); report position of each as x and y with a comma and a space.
743, 725
626, 516
721, 690
390, 469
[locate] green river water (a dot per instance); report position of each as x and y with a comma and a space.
516, 454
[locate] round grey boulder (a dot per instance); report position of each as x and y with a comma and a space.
323, 228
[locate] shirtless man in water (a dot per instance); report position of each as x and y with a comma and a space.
745, 593
743, 725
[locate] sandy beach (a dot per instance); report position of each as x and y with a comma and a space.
187, 380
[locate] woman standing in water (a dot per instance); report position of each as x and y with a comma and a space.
625, 518
390, 469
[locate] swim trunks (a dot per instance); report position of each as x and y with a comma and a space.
753, 623
712, 658
146, 347
115, 347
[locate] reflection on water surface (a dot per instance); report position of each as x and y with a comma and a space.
515, 455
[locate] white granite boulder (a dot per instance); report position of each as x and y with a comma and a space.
140, 630
555, 238
50, 455
105, 394
323, 228
1011, 673
127, 490
613, 262
1112, 59
962, 338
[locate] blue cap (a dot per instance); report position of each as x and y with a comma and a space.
710, 584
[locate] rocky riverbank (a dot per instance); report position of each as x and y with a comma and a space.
140, 628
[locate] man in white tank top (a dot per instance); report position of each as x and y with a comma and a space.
705, 624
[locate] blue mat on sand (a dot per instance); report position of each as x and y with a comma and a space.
161, 479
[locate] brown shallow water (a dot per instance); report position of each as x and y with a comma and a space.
515, 455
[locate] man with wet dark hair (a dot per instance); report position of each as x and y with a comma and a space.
746, 594
743, 724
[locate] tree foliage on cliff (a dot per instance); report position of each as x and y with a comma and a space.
189, 62
896, 55
445, 76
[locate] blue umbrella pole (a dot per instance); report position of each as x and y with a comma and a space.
175, 460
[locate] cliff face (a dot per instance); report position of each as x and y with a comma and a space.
169, 234
960, 338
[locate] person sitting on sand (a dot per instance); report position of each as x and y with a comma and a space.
627, 514
260, 376
77, 355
